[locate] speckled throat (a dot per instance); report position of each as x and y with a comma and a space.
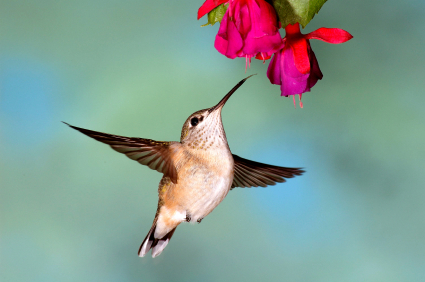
209, 136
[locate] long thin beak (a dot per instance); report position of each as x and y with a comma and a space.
224, 100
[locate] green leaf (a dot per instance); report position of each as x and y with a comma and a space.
296, 11
216, 14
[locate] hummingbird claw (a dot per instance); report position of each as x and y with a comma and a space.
188, 218
199, 220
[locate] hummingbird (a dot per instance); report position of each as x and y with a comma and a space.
198, 171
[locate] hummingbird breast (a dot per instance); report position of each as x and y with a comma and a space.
204, 179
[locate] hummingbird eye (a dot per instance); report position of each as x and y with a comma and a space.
194, 121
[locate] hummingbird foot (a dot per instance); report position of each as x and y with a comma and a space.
188, 218
199, 220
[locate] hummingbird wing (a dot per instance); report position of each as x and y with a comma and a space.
154, 154
253, 174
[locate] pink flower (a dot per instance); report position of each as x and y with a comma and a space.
295, 67
248, 27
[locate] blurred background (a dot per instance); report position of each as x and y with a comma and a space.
72, 209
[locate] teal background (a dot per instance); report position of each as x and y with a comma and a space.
72, 209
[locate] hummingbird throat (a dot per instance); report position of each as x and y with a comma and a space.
209, 137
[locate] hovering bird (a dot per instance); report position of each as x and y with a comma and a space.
198, 171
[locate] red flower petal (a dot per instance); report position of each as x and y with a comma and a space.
241, 13
262, 56
274, 71
330, 35
208, 6
228, 41
301, 59
293, 30
268, 17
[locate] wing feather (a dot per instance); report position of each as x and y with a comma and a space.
254, 174
154, 154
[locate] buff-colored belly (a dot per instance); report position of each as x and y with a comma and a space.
201, 191
202, 184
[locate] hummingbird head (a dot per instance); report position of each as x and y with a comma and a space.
204, 129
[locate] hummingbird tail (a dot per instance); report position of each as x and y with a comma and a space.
157, 245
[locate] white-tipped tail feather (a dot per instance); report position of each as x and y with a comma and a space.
156, 244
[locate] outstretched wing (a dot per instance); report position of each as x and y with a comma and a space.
154, 154
253, 174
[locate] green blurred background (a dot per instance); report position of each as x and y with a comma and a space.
72, 209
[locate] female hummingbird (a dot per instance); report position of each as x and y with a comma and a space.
198, 171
